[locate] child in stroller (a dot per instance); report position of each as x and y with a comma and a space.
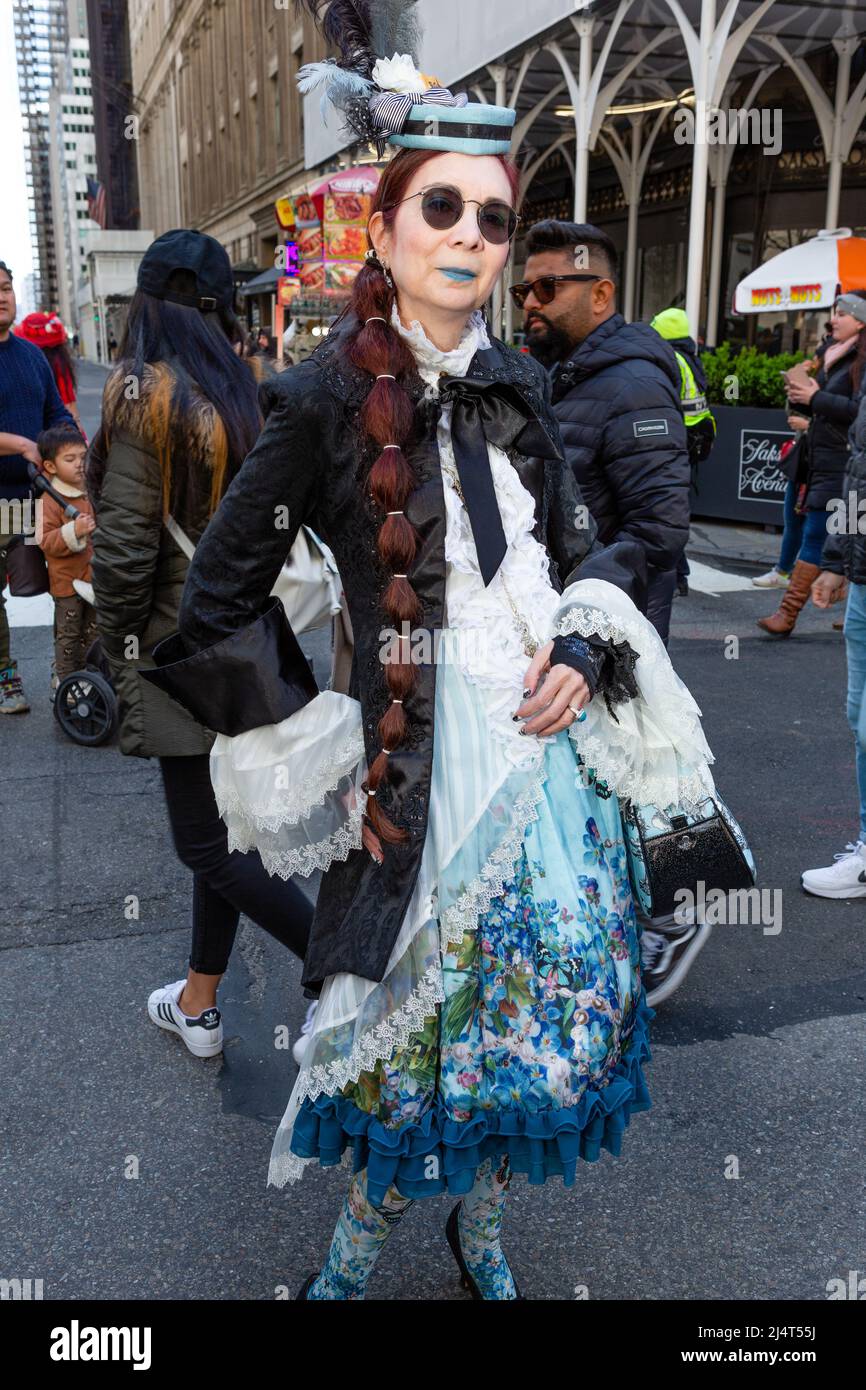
84, 702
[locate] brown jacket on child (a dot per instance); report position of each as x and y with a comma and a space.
68, 555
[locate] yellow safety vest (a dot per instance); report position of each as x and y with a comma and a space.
693, 402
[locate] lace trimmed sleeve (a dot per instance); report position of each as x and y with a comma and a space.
292, 791
652, 749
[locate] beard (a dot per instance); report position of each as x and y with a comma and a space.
547, 343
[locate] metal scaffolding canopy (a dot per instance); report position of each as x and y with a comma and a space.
605, 78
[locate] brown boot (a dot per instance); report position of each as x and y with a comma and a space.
781, 624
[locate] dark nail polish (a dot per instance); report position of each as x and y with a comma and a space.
515, 717
522, 731
527, 692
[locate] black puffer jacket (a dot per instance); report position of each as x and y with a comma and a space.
832, 411
845, 546
617, 400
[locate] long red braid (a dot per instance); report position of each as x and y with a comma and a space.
387, 419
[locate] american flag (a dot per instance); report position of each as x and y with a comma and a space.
96, 201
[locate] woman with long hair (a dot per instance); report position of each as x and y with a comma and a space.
474, 944
179, 415
827, 400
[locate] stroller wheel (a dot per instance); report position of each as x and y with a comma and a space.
85, 707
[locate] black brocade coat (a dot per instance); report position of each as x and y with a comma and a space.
312, 460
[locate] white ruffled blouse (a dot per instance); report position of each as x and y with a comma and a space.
489, 648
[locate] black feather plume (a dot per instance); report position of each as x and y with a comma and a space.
347, 26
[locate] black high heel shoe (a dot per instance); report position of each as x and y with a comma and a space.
453, 1233
306, 1286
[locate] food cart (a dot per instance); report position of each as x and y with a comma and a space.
326, 228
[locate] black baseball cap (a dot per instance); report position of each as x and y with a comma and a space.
196, 252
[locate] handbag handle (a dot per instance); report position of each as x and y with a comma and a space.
179, 536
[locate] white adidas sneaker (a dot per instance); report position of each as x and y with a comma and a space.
844, 878
203, 1036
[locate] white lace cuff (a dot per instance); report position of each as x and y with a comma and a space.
653, 750
292, 791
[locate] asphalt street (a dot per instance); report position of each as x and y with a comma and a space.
132, 1170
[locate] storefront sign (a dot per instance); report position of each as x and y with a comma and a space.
742, 479
761, 478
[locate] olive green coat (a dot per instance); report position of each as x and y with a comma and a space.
138, 570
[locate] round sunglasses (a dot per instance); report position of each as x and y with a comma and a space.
442, 208
544, 288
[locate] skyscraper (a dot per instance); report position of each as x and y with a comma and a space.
41, 42
73, 164
111, 81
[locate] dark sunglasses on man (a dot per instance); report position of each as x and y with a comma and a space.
544, 288
442, 208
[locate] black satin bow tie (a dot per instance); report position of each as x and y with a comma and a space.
489, 412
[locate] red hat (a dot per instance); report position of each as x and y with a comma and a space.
44, 330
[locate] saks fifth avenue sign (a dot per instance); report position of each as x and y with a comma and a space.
761, 477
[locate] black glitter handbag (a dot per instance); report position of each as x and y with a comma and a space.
675, 849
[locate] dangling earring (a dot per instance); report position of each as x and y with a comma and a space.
373, 260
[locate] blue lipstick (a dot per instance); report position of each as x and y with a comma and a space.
455, 273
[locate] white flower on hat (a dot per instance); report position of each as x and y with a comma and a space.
398, 74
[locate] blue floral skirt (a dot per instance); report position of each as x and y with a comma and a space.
537, 1049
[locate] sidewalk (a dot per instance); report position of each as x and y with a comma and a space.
719, 542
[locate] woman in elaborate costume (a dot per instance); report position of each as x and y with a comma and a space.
474, 947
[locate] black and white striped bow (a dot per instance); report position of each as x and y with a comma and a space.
389, 111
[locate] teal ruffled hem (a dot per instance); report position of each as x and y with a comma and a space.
541, 1144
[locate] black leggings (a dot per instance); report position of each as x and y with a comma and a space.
224, 884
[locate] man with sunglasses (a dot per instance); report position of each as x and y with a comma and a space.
616, 396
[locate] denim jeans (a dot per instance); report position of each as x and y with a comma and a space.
855, 646
804, 536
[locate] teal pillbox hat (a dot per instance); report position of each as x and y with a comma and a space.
470, 129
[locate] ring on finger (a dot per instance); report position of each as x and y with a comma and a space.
579, 714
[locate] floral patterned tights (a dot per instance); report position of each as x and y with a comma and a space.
362, 1230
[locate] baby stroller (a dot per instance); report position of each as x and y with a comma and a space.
85, 705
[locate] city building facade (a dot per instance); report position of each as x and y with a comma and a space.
616, 102
41, 38
220, 121
73, 159
114, 126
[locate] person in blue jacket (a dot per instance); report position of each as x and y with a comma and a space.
29, 404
